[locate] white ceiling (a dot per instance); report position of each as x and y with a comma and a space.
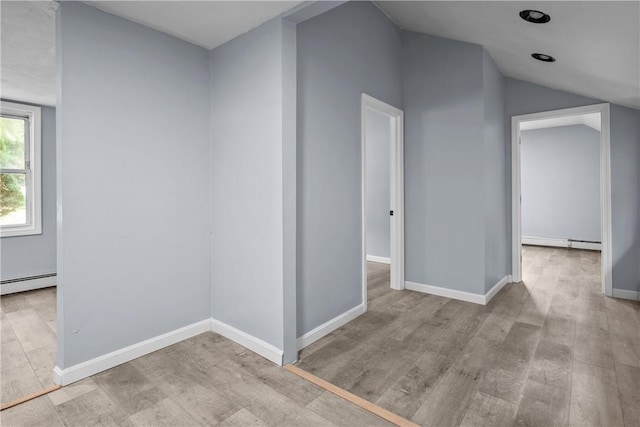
596, 43
27, 47
204, 23
592, 120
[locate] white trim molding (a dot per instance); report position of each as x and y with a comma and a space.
27, 285
626, 294
445, 292
605, 188
459, 295
497, 288
107, 361
254, 344
396, 179
560, 243
380, 259
330, 326
32, 169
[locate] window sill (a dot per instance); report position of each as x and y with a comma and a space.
19, 231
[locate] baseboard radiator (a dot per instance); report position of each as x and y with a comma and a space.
22, 284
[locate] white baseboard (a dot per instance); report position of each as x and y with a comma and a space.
459, 295
496, 288
380, 259
625, 294
254, 344
560, 243
445, 292
102, 363
27, 285
330, 326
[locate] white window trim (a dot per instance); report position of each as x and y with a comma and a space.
34, 196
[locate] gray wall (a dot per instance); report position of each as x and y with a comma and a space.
351, 49
496, 208
378, 153
523, 98
444, 133
247, 183
560, 181
625, 196
34, 255
133, 166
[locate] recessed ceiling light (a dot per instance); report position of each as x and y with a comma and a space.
535, 16
543, 57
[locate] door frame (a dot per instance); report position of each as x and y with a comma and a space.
605, 187
396, 144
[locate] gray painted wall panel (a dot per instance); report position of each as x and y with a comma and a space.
27, 256
351, 49
524, 98
246, 183
378, 152
625, 196
561, 183
443, 99
497, 243
133, 160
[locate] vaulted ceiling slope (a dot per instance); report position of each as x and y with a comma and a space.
204, 23
596, 43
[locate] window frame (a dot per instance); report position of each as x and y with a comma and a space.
33, 170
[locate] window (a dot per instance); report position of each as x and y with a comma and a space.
20, 201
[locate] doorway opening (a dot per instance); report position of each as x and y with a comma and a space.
571, 204
382, 190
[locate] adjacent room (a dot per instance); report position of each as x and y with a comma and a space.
320, 213
561, 212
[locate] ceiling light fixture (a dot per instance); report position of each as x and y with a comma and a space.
535, 16
543, 57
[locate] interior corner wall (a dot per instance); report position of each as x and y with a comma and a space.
444, 138
247, 183
27, 256
524, 98
496, 210
132, 168
342, 53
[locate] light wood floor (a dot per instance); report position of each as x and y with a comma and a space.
206, 380
27, 354
550, 351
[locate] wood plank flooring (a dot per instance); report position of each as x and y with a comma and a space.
205, 380
549, 351
27, 353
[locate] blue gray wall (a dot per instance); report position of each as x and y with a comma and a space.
378, 183
496, 208
560, 181
351, 49
27, 256
524, 98
444, 129
133, 167
625, 196
248, 107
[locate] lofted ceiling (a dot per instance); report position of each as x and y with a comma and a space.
596, 43
204, 23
